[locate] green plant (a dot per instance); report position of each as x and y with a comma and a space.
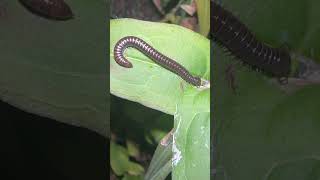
157, 88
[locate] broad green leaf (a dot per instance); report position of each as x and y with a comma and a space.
262, 132
191, 139
56, 68
203, 11
147, 82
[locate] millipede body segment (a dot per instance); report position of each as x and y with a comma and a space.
53, 9
229, 32
153, 54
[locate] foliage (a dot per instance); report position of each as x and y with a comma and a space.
55, 68
153, 86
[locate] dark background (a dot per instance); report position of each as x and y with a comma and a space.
40, 148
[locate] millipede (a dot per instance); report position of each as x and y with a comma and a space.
156, 56
229, 32
52, 9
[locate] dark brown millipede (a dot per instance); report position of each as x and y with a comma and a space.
53, 9
153, 54
233, 35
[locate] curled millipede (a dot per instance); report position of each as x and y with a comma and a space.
229, 32
53, 9
153, 54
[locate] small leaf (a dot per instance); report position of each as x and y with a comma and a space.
133, 148
120, 163
119, 159
135, 169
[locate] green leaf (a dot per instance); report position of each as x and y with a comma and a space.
131, 177
147, 82
158, 134
119, 158
191, 143
120, 163
160, 165
263, 133
56, 68
133, 148
203, 11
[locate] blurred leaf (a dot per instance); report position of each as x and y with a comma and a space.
131, 177
158, 134
203, 10
135, 169
147, 82
264, 133
118, 158
133, 148
120, 163
55, 68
